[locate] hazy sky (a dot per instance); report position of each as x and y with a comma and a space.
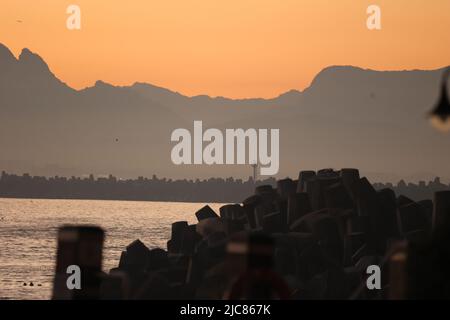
234, 48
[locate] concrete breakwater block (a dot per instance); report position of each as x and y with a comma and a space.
136, 256
176, 241
115, 286
178, 268
316, 190
211, 250
190, 240
249, 205
337, 196
368, 205
209, 226
349, 176
232, 211
286, 187
326, 232
154, 286
272, 223
298, 205
264, 189
178, 229
184, 238
205, 213
413, 217
303, 225
441, 212
158, 259
259, 213
267, 193
303, 178
388, 211
322, 231
234, 226
403, 200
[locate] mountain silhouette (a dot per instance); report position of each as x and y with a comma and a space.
347, 117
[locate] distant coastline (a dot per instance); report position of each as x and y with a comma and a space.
215, 190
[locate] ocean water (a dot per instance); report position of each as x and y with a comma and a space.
28, 229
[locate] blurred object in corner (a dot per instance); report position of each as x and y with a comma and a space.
440, 115
79, 246
398, 271
258, 281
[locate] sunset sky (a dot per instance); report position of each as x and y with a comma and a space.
233, 48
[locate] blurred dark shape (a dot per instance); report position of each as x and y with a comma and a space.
441, 212
81, 246
440, 115
398, 272
258, 281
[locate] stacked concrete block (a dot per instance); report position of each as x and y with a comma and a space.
412, 217
388, 211
273, 222
205, 213
316, 190
235, 217
327, 227
441, 212
136, 257
249, 205
349, 177
298, 206
303, 178
337, 196
286, 187
176, 241
190, 239
368, 205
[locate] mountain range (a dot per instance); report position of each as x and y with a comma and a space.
347, 117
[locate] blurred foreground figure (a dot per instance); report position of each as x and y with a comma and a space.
258, 281
419, 269
78, 263
428, 264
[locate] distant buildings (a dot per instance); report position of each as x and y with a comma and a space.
162, 189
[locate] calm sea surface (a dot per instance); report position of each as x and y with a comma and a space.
28, 230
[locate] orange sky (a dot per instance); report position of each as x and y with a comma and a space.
234, 48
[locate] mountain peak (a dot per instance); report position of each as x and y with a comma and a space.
32, 61
6, 56
334, 76
336, 69
103, 84
5, 52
